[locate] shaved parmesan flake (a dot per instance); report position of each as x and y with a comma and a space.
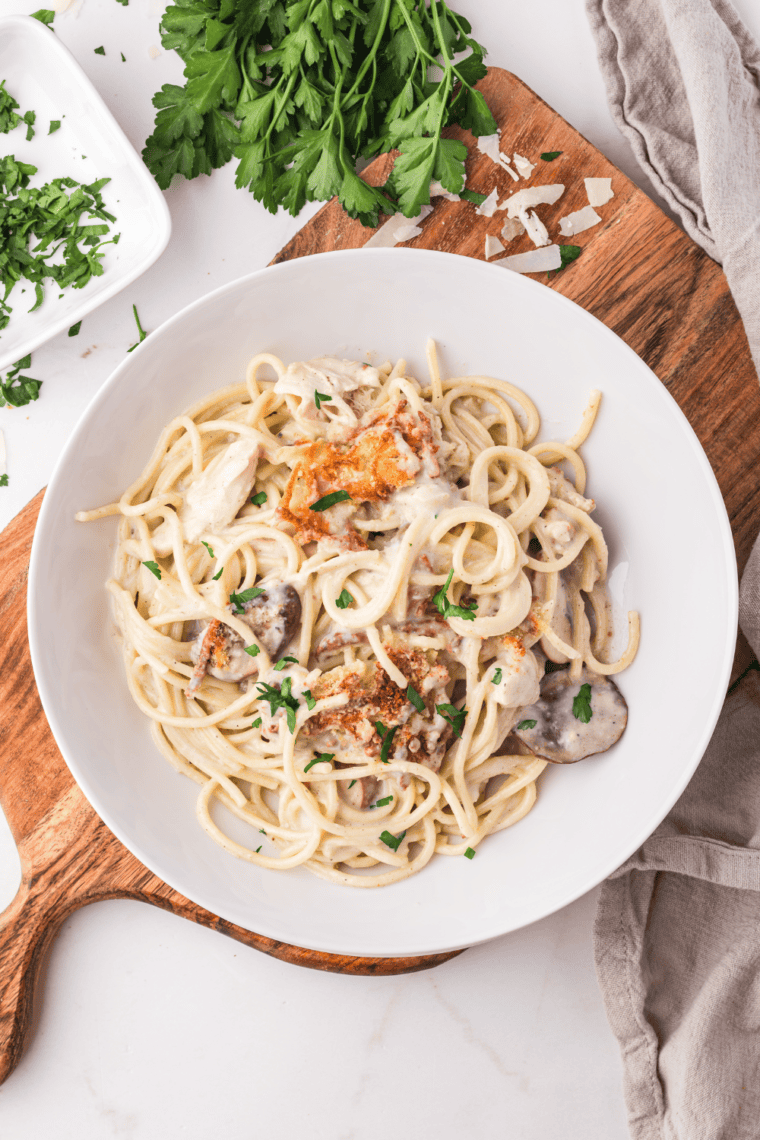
437, 191
579, 221
534, 261
524, 168
3, 455
398, 228
598, 190
534, 228
512, 228
532, 196
489, 145
493, 246
487, 209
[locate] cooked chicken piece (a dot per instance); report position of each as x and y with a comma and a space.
219, 650
212, 500
564, 732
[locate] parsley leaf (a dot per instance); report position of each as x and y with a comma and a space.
284, 662
237, 601
383, 802
472, 196
55, 125
16, 390
44, 15
310, 702
469, 853
280, 698
344, 600
453, 716
74, 330
154, 568
256, 723
251, 650
320, 758
330, 500
218, 574
320, 399
208, 548
3, 480
447, 608
259, 499
140, 330
100, 50
413, 696
526, 724
392, 841
582, 704
386, 736
550, 155
496, 679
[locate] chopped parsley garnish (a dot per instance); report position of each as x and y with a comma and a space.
218, 574
237, 601
140, 330
256, 723
8, 107
17, 390
567, 254
44, 15
252, 650
298, 91
526, 724
386, 735
383, 802
330, 500
447, 608
56, 232
208, 548
469, 853
284, 662
496, 679
310, 702
320, 398
320, 758
344, 600
582, 704
74, 330
259, 848
352, 783
392, 841
259, 499
472, 196
123, 57
415, 698
154, 568
280, 698
550, 155
100, 51
453, 716
3, 480
55, 125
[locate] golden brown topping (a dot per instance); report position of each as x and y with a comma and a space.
375, 461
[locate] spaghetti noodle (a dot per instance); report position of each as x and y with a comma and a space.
336, 591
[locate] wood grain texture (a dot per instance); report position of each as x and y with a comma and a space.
638, 273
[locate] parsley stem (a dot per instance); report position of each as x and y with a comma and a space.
370, 56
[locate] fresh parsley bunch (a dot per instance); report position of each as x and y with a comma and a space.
298, 90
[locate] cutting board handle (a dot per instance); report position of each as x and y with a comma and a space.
27, 927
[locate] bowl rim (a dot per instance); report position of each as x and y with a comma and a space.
608, 865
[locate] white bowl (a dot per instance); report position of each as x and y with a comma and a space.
43, 76
671, 558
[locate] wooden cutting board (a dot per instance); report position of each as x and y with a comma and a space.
637, 272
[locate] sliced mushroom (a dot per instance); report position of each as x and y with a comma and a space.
562, 737
219, 650
358, 793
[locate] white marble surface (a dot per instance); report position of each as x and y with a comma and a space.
148, 1027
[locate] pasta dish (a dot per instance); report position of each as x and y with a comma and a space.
363, 611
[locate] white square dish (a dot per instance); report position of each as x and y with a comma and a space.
42, 76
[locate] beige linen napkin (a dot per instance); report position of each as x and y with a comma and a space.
677, 937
